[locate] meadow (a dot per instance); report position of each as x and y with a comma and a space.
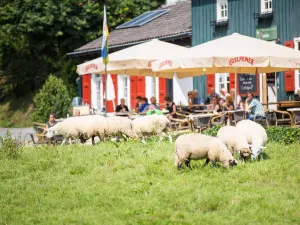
133, 183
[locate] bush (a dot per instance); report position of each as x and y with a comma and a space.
52, 98
212, 131
283, 135
9, 147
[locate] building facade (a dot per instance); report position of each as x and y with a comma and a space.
276, 21
172, 25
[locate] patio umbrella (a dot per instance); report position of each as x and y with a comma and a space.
231, 54
135, 60
110, 90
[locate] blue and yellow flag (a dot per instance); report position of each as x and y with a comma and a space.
104, 50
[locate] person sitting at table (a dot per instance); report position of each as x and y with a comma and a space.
138, 101
224, 93
253, 105
153, 102
238, 104
217, 105
212, 93
196, 100
122, 107
51, 121
152, 110
171, 107
77, 112
144, 104
297, 98
228, 105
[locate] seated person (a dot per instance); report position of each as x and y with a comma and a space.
77, 112
218, 106
153, 102
255, 107
238, 103
297, 98
51, 121
212, 93
195, 99
224, 93
152, 110
171, 107
138, 104
228, 105
144, 104
122, 107
190, 102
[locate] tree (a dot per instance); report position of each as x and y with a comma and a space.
36, 35
52, 98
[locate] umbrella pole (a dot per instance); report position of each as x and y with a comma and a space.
155, 88
235, 84
105, 90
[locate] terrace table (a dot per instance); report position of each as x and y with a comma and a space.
296, 115
200, 121
203, 111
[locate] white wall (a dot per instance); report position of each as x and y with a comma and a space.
149, 91
297, 72
93, 91
180, 89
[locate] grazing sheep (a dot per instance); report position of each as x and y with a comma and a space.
118, 126
235, 141
198, 146
256, 136
151, 125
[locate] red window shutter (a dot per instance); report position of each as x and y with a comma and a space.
133, 91
162, 90
141, 87
231, 80
210, 82
86, 88
289, 76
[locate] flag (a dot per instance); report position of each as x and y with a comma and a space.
104, 50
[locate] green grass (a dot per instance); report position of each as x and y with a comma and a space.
16, 112
132, 183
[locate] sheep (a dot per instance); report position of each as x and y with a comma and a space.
255, 135
117, 125
198, 146
83, 128
235, 141
151, 125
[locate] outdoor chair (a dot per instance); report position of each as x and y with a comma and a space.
181, 122
262, 120
282, 118
218, 120
238, 116
202, 123
296, 118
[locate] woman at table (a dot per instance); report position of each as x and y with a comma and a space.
171, 107
51, 121
297, 98
238, 103
122, 107
228, 105
215, 105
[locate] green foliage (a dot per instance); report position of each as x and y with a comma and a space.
134, 183
283, 135
35, 37
52, 98
213, 131
9, 147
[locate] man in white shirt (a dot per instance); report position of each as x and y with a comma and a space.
224, 93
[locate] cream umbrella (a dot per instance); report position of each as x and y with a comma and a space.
110, 90
231, 54
135, 60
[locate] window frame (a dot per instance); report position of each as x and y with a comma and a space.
263, 8
98, 80
218, 83
297, 72
220, 10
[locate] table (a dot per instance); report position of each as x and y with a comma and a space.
203, 111
295, 114
200, 121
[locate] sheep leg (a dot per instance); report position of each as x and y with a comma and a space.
70, 141
214, 163
143, 140
188, 164
170, 138
206, 162
261, 155
64, 141
93, 140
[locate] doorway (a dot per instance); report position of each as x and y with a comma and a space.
271, 90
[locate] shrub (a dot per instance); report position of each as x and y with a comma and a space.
213, 131
10, 147
283, 135
52, 98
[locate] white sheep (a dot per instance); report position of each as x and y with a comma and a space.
235, 140
256, 136
151, 125
118, 126
198, 146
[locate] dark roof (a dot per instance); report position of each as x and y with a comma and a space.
174, 24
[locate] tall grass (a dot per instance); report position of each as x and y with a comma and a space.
133, 183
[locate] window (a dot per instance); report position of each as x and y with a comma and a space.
98, 81
222, 10
153, 86
222, 81
266, 6
126, 89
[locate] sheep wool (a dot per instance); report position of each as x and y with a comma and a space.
198, 146
256, 137
234, 140
117, 125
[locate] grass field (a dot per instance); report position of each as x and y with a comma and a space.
132, 183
